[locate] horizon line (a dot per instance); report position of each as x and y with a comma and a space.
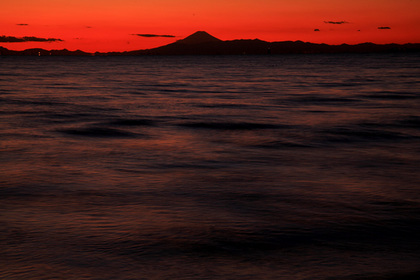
305, 42
242, 39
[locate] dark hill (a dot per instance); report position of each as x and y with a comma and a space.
198, 43
199, 37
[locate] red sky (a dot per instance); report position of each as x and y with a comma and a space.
108, 25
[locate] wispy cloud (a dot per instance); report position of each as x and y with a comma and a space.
384, 27
154, 35
12, 39
22, 24
335, 22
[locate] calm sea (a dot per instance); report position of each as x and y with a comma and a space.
225, 167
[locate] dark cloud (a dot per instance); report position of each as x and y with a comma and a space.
316, 29
12, 39
154, 35
384, 27
336, 22
22, 24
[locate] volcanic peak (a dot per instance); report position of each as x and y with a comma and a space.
198, 38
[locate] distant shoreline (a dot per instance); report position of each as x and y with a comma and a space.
326, 49
202, 43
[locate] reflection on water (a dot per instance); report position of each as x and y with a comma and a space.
242, 167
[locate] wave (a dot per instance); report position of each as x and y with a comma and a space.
323, 99
386, 95
133, 122
411, 121
232, 125
98, 132
352, 134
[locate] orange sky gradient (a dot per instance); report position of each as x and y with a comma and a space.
105, 25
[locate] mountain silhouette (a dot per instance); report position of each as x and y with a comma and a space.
197, 43
199, 37
202, 43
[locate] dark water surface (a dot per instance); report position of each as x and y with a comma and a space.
237, 167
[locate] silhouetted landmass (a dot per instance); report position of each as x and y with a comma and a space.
37, 51
202, 43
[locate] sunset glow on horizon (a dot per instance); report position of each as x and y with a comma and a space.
105, 25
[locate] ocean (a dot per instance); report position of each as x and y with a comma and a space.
210, 167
